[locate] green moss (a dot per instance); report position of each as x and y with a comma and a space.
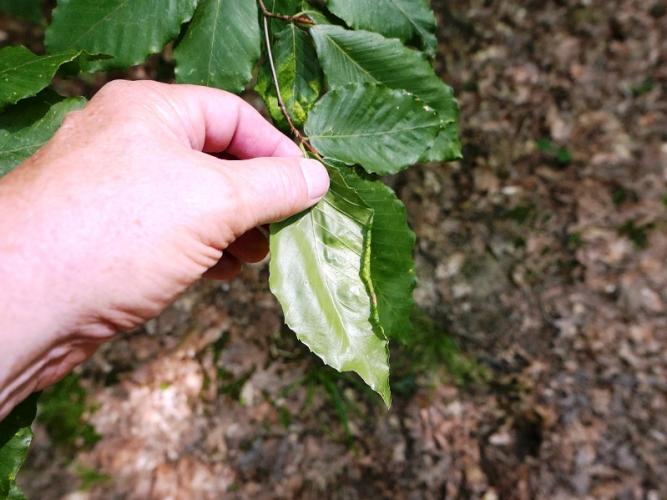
230, 385
430, 348
643, 88
521, 213
619, 196
574, 241
558, 154
62, 410
90, 477
636, 233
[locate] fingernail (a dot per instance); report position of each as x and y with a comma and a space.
317, 178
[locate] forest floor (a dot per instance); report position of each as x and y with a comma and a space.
541, 366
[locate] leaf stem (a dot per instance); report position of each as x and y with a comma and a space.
293, 128
298, 19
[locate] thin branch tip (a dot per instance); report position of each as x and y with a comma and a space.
298, 19
303, 141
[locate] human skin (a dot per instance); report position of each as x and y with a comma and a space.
125, 208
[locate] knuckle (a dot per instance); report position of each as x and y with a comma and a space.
122, 102
120, 93
72, 119
113, 88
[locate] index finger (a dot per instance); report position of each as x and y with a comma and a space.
218, 121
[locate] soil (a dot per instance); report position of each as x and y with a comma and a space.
541, 254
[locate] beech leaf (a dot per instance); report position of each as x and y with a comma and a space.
403, 19
24, 74
316, 268
25, 127
360, 56
391, 266
128, 30
383, 130
221, 45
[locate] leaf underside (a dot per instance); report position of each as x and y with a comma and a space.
221, 45
316, 270
383, 130
128, 30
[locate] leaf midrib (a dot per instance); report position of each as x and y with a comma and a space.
213, 37
413, 23
354, 62
321, 265
100, 21
372, 134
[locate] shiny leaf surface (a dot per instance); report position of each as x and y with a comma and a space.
316, 267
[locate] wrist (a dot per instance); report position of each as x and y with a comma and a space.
39, 316
30, 264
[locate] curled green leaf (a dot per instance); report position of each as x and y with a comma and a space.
316, 267
391, 267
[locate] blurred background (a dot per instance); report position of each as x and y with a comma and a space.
539, 367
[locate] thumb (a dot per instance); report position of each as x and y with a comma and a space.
272, 189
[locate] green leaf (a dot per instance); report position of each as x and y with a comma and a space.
24, 74
25, 127
299, 75
12, 456
30, 10
127, 30
316, 266
221, 46
403, 19
360, 56
391, 269
15, 439
447, 145
381, 129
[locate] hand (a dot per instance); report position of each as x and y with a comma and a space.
124, 209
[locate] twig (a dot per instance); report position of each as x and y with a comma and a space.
295, 131
267, 35
299, 19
